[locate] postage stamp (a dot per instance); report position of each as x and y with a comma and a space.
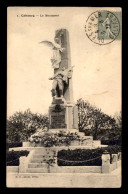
103, 27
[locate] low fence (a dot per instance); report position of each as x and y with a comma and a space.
106, 167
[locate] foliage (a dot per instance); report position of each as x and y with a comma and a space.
92, 121
54, 139
12, 157
118, 118
95, 123
52, 161
22, 125
111, 142
12, 145
74, 157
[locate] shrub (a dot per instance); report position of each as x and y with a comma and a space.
85, 157
12, 157
111, 142
12, 145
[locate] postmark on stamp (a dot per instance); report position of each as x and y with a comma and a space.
103, 27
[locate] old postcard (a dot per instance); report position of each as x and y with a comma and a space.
64, 120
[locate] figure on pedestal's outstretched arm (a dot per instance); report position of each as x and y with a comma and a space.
56, 58
59, 79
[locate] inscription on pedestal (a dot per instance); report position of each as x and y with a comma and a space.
58, 117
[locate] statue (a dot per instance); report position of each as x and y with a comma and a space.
62, 112
59, 79
56, 58
61, 64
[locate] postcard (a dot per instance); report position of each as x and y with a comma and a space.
64, 120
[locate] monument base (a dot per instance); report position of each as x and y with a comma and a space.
63, 115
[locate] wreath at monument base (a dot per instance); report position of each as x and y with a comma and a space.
57, 139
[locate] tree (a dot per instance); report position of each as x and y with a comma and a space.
118, 118
94, 122
21, 125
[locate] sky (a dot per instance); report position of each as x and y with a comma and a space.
97, 72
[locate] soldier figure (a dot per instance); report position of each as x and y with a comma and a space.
59, 79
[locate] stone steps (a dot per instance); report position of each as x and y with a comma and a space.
41, 156
88, 138
81, 134
37, 170
37, 165
43, 151
38, 160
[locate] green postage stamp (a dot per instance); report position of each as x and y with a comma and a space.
103, 27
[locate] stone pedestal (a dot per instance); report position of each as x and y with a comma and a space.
22, 166
105, 163
63, 115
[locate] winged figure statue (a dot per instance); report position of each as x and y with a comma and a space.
56, 58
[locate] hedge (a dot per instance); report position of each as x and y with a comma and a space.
85, 157
111, 142
13, 145
12, 157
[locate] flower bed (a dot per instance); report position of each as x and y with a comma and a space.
85, 157
56, 139
12, 157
